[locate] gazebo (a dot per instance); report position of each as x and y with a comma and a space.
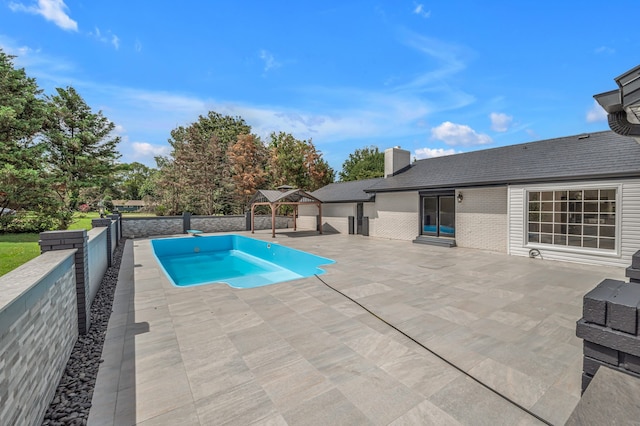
284, 195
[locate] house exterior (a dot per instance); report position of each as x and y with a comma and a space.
341, 201
574, 198
128, 205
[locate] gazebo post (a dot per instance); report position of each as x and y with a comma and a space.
276, 199
295, 213
273, 219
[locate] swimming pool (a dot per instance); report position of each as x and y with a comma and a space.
240, 262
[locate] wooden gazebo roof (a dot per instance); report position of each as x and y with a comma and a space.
283, 196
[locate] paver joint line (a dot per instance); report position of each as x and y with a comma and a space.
480, 382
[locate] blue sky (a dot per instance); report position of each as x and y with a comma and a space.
433, 77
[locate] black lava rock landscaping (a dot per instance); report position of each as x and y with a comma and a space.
72, 400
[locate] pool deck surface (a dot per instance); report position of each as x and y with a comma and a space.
300, 353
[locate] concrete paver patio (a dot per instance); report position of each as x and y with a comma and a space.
300, 353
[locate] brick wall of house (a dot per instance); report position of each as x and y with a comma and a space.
481, 219
396, 216
335, 217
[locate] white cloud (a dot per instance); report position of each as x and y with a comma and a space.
422, 153
596, 113
107, 39
500, 122
450, 58
138, 46
459, 134
51, 10
402, 110
605, 50
146, 150
419, 10
269, 61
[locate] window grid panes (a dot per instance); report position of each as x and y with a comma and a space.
574, 218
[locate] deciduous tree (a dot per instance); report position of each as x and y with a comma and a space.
196, 177
364, 163
247, 157
297, 163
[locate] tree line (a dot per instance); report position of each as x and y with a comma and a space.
57, 154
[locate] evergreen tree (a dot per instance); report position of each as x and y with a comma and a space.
81, 149
24, 183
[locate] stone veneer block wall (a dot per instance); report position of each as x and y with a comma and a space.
62, 240
481, 219
219, 223
38, 329
113, 237
97, 260
146, 227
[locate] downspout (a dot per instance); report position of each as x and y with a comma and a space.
620, 124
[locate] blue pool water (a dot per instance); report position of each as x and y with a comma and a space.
238, 261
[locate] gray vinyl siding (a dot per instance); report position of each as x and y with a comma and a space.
627, 232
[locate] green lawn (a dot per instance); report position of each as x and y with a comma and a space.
16, 249
83, 220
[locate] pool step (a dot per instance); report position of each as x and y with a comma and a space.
435, 241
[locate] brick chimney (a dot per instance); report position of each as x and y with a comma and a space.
396, 160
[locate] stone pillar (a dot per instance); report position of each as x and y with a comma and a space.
633, 271
609, 326
118, 218
99, 223
186, 221
63, 240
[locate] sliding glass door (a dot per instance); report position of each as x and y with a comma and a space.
439, 215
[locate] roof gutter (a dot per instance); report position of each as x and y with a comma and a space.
530, 181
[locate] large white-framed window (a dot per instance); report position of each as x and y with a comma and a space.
573, 218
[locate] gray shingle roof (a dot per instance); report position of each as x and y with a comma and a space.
344, 192
601, 155
273, 196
